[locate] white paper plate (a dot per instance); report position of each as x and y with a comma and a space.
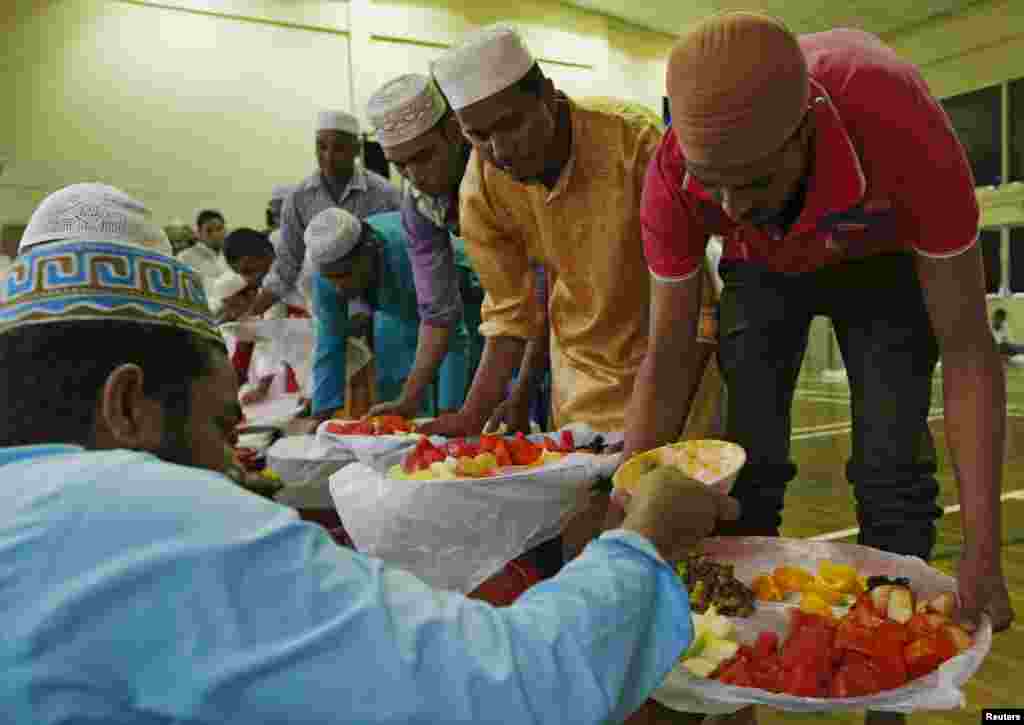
276, 412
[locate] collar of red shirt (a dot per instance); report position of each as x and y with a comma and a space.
837, 182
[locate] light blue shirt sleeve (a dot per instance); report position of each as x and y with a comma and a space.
193, 601
306, 632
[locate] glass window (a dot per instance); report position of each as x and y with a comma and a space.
1017, 259
1017, 130
991, 240
978, 120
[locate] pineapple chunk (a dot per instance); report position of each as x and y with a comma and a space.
720, 627
700, 667
442, 470
880, 597
720, 650
901, 605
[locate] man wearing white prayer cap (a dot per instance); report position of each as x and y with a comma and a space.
97, 213
340, 181
155, 566
421, 137
368, 258
552, 181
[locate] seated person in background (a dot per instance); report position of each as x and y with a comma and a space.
178, 596
205, 255
1001, 332
369, 259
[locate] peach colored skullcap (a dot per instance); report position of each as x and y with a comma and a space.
738, 89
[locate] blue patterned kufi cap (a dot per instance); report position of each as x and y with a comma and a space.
78, 280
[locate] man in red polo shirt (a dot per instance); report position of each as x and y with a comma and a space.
840, 189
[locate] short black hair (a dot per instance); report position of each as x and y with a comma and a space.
208, 215
246, 242
532, 82
51, 375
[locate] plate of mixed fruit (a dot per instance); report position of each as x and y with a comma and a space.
806, 625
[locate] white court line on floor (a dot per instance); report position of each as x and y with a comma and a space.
836, 430
821, 426
845, 402
1012, 411
1017, 495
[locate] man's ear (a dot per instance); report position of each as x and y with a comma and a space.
125, 416
547, 95
452, 130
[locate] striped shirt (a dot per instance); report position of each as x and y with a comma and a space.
366, 193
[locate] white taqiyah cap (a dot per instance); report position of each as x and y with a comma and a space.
331, 235
337, 121
486, 63
94, 212
405, 108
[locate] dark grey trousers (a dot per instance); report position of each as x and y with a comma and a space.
878, 312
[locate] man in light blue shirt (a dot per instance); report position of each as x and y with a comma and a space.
141, 586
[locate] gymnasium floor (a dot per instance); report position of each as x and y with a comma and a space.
820, 502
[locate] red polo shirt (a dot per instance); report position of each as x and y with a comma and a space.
888, 174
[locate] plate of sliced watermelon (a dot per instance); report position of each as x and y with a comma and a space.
491, 456
368, 439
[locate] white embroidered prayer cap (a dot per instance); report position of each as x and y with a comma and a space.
337, 121
486, 63
331, 235
405, 108
94, 212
